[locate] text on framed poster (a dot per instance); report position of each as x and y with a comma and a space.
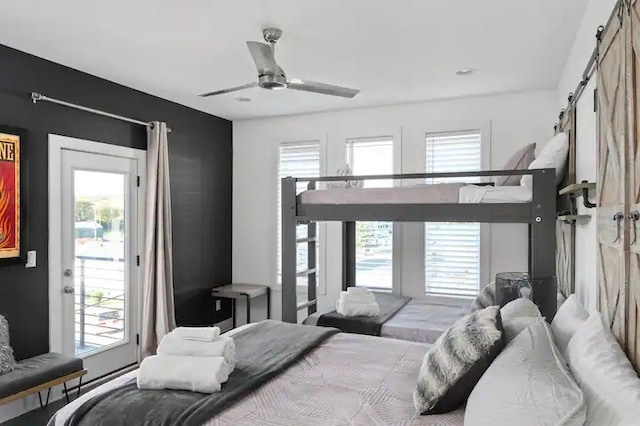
9, 196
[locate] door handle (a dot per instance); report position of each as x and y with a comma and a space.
68, 289
618, 218
67, 272
634, 217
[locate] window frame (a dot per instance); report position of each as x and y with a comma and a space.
321, 230
485, 228
396, 240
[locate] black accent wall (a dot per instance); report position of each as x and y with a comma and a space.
201, 171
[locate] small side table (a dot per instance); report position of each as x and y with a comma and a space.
249, 291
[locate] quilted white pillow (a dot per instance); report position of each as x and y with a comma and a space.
517, 315
552, 156
607, 378
568, 319
527, 384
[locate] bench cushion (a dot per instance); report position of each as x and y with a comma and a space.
36, 371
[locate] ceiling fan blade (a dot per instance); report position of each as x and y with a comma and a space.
229, 90
262, 55
322, 88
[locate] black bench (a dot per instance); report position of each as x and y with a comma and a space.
41, 372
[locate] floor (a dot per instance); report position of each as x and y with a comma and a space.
38, 417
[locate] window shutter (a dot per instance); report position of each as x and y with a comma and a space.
296, 160
452, 250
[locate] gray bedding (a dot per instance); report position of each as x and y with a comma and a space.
389, 305
262, 351
348, 379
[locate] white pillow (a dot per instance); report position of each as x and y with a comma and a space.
552, 156
527, 384
568, 319
609, 382
518, 315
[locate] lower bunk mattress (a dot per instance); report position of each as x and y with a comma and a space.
348, 379
419, 320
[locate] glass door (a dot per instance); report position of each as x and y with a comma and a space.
99, 203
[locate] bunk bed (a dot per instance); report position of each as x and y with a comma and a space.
534, 206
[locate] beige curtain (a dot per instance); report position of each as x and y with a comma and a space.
158, 315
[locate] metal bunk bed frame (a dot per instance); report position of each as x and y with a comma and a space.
539, 214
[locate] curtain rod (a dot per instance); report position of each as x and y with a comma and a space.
36, 97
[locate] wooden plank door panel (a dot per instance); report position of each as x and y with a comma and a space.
612, 131
564, 257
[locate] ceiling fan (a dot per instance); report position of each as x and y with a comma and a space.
272, 77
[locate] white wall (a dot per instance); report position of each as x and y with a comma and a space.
513, 120
596, 14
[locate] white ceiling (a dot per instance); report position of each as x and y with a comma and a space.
395, 51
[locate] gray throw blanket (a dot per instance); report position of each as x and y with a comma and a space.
263, 351
389, 306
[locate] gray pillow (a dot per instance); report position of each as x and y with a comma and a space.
460, 356
7, 361
520, 160
486, 298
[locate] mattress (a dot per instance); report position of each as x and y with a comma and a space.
418, 321
348, 380
442, 193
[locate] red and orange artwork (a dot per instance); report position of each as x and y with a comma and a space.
9, 196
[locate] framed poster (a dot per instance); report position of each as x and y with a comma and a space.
10, 207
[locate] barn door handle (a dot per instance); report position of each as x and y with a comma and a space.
618, 218
634, 217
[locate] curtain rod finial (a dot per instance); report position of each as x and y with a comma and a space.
35, 97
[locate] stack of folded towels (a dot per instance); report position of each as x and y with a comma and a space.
357, 301
196, 359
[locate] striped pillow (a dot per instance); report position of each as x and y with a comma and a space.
486, 298
460, 356
7, 361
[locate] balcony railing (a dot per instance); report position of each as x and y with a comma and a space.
100, 289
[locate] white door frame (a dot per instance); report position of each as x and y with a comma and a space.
57, 144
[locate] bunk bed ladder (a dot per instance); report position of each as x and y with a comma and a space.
290, 242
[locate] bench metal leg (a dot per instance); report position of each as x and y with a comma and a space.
268, 302
248, 309
66, 392
79, 387
233, 314
40, 398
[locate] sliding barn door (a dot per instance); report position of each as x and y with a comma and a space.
565, 231
633, 190
612, 139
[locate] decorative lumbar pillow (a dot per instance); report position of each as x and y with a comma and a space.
552, 156
486, 298
568, 319
527, 384
455, 363
7, 361
518, 315
520, 160
599, 365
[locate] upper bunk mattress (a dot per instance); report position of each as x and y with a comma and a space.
442, 193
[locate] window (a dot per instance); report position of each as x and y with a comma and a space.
374, 240
452, 250
297, 160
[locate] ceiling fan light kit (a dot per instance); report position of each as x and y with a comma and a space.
272, 77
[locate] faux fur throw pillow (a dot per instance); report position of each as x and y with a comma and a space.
486, 298
460, 356
7, 361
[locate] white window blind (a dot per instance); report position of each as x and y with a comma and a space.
374, 240
452, 250
297, 160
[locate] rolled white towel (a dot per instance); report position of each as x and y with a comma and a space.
357, 309
358, 291
357, 298
195, 374
223, 346
205, 334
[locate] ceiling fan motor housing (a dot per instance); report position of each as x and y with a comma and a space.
272, 81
